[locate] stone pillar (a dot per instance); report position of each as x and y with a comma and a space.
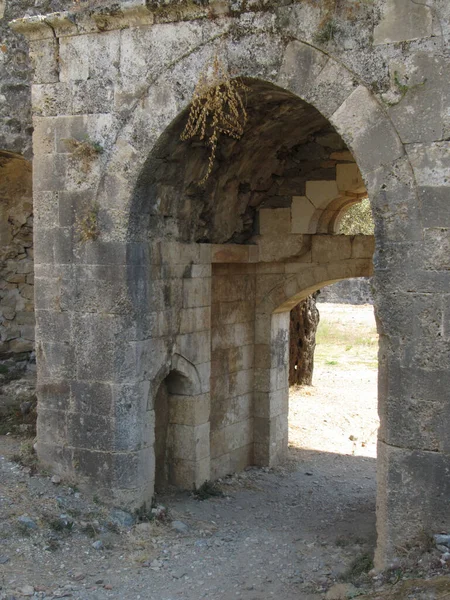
411, 305
94, 352
271, 401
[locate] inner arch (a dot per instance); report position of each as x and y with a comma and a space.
289, 150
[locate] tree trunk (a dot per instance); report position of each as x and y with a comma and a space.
302, 341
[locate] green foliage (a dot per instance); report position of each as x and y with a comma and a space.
357, 219
326, 32
402, 87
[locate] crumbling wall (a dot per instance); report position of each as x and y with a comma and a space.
16, 202
16, 69
16, 258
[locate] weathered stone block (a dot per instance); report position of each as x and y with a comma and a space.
321, 193
187, 410
419, 115
363, 246
204, 376
302, 211
301, 66
240, 382
331, 88
220, 466
93, 431
431, 163
189, 442
188, 475
228, 313
401, 22
435, 203
45, 60
348, 179
54, 395
101, 63
275, 221
280, 248
370, 137
436, 249
229, 254
231, 437
405, 477
58, 458
241, 458
91, 397
231, 336
412, 410
91, 97
53, 325
56, 360
44, 141
51, 99
262, 355
96, 468
226, 289
239, 358
165, 293
196, 292
52, 426
272, 403
327, 249
220, 391
195, 347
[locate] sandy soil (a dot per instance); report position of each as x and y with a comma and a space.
289, 532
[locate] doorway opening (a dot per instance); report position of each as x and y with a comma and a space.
333, 419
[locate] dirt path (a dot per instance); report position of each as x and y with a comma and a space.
286, 533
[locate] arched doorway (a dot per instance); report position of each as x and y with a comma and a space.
149, 211
232, 257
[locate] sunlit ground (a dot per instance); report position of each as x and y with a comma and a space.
338, 413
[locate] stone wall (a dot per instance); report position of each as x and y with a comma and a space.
16, 203
123, 78
16, 258
349, 291
16, 68
232, 362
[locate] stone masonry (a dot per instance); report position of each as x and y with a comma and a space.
348, 291
16, 258
162, 327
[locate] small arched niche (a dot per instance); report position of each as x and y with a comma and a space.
181, 430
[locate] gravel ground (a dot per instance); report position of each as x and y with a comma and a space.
289, 532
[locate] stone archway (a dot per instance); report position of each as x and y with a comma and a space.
272, 317
120, 285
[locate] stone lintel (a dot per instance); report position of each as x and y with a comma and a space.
79, 21
230, 253
325, 245
134, 13
33, 28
